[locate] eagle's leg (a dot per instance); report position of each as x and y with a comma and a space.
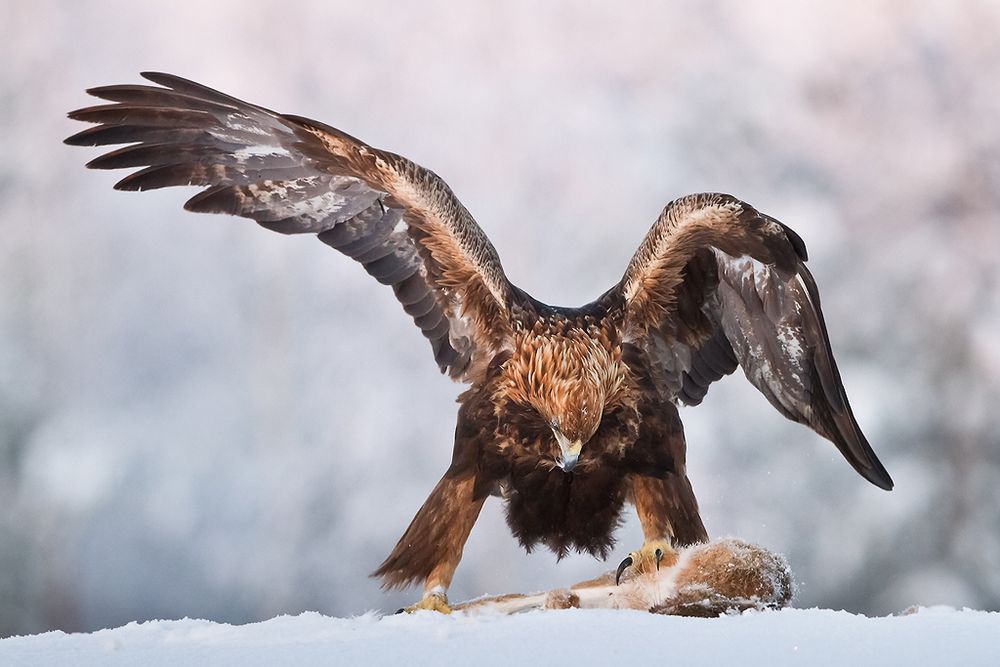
668, 513
431, 547
667, 508
648, 495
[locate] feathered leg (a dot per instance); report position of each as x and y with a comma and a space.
667, 508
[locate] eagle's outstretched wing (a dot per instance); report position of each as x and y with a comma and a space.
294, 175
716, 284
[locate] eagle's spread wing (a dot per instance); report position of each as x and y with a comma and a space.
716, 284
294, 175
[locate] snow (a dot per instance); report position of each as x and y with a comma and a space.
201, 418
928, 636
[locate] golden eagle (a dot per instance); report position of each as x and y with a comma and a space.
569, 412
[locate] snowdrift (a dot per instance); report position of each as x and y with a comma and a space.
935, 636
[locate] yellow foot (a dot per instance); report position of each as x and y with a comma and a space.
648, 559
431, 602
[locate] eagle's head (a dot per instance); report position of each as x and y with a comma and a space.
567, 382
573, 414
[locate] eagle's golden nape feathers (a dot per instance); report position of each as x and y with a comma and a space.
569, 412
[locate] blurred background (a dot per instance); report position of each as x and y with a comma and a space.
202, 418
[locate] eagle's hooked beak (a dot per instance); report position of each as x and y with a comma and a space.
570, 451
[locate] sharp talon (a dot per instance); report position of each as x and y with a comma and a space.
430, 602
659, 557
624, 565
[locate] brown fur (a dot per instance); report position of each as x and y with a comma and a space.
726, 576
719, 577
561, 599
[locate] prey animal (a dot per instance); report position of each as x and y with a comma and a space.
569, 413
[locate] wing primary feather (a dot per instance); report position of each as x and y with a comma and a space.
145, 154
216, 199
160, 176
104, 135
122, 114
196, 90
153, 96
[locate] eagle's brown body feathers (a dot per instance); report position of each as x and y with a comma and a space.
570, 412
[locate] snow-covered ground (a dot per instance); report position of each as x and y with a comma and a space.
930, 636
